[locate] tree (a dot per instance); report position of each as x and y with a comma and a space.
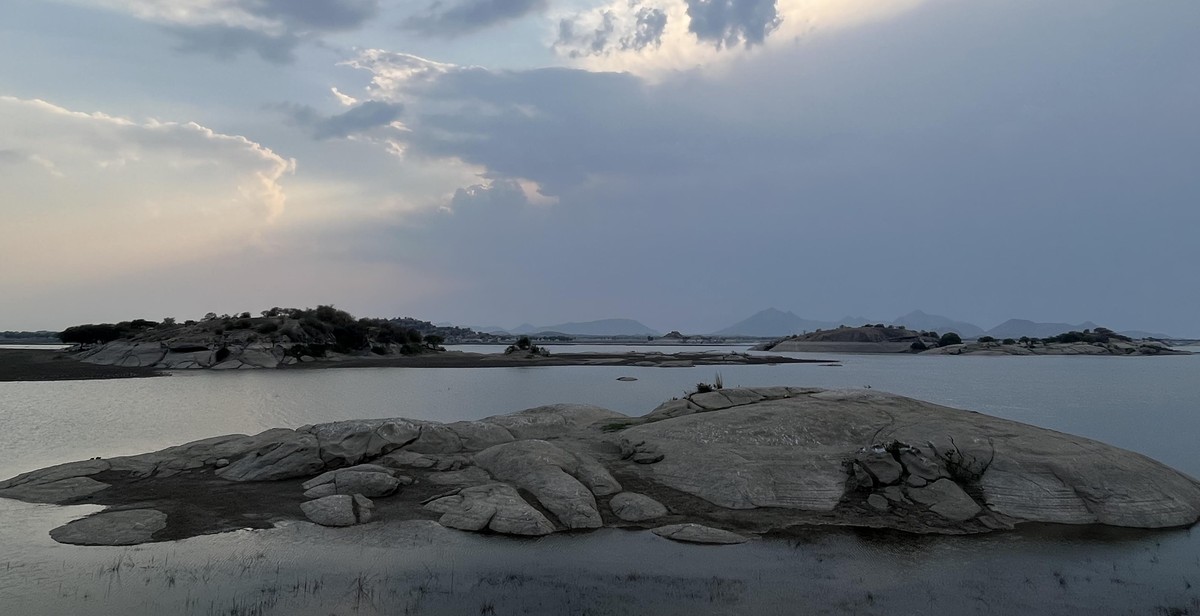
986, 339
523, 343
949, 338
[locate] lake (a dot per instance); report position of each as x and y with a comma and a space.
1147, 404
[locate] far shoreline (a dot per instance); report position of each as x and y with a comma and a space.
53, 365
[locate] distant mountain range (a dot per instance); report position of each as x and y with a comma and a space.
602, 327
777, 323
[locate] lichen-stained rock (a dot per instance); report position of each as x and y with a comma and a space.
496, 506
295, 456
698, 533
634, 507
339, 510
127, 527
554, 476
554, 420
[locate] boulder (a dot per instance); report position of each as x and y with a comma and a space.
634, 507
495, 506
128, 527
878, 502
372, 484
563, 483
338, 510
882, 467
947, 499
698, 533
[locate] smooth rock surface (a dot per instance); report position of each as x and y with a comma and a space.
128, 527
698, 533
338, 510
634, 507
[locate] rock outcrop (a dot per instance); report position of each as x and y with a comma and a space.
751, 460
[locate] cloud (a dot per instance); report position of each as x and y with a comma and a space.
225, 28
651, 37
729, 23
360, 118
617, 28
970, 132
105, 193
468, 16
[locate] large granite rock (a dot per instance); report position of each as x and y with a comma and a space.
792, 452
757, 460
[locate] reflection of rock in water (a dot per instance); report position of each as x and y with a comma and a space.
745, 460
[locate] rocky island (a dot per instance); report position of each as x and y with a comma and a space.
715, 467
291, 338
899, 339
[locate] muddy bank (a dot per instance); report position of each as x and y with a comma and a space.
51, 365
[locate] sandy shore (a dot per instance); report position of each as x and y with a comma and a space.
46, 365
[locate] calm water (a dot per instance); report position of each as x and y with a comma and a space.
1150, 405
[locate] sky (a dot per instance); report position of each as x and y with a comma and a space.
685, 163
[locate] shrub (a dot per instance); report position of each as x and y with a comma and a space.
1008, 341
986, 339
919, 346
949, 338
267, 328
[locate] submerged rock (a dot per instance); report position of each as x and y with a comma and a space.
698, 533
128, 527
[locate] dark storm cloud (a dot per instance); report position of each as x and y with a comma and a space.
358, 119
467, 16
729, 23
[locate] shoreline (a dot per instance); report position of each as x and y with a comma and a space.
48, 365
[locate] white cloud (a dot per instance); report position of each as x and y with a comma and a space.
90, 194
649, 37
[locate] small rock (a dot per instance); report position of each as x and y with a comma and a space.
627, 378
338, 510
916, 482
221, 463
698, 533
634, 507
878, 502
